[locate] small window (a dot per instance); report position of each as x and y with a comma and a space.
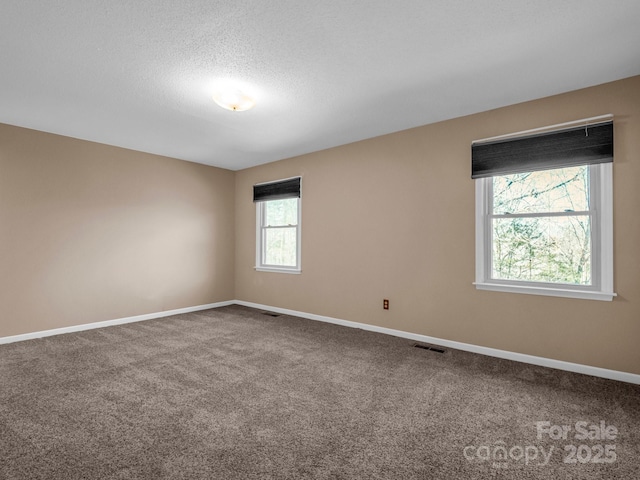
545, 231
278, 226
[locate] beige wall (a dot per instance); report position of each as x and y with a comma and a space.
393, 217
90, 232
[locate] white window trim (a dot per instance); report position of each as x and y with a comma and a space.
260, 254
602, 245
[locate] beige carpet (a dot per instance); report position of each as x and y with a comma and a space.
232, 393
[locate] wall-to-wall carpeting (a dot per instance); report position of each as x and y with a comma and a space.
232, 393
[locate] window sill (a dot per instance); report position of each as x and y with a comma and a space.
552, 292
295, 271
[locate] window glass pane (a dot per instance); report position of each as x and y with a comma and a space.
559, 190
280, 246
281, 212
543, 249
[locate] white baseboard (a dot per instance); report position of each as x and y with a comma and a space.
109, 323
492, 352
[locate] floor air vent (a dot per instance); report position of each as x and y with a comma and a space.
271, 314
429, 347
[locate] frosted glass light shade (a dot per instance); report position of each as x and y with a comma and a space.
233, 99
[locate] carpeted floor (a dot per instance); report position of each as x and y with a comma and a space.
232, 393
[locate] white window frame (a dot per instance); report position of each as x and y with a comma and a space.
601, 209
261, 229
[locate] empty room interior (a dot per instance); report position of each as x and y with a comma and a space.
340, 239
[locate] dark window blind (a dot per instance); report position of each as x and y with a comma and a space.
584, 145
289, 188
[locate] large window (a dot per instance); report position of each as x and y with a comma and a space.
278, 226
545, 231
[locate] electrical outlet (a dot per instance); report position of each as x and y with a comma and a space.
385, 304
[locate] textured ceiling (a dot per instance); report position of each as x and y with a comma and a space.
140, 73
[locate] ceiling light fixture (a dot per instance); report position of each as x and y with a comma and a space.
233, 99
